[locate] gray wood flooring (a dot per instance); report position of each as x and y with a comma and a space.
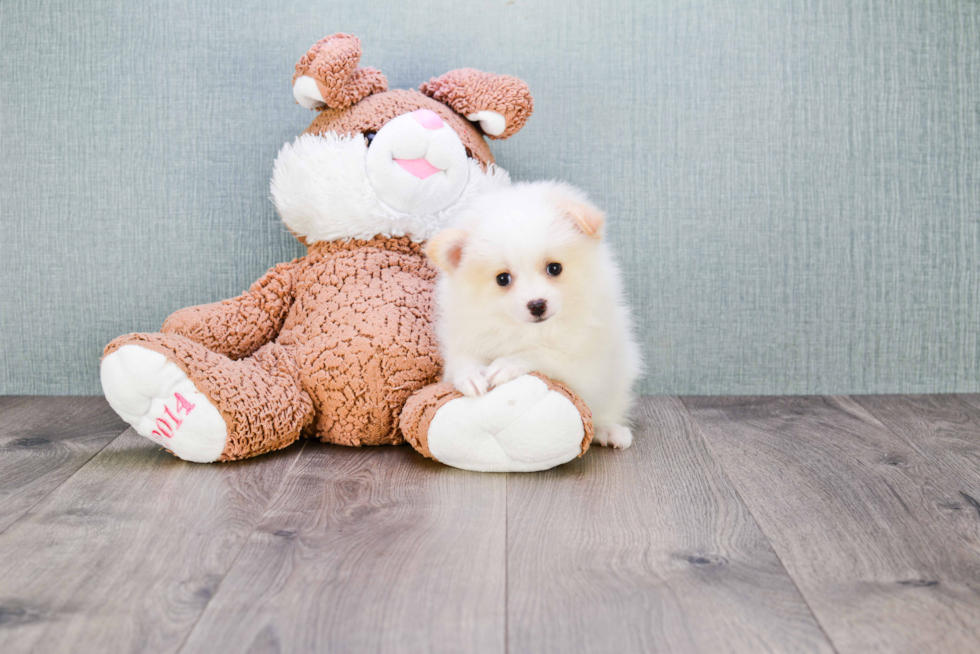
793, 524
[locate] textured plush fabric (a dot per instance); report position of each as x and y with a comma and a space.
792, 186
469, 91
419, 411
353, 338
238, 327
378, 109
332, 63
260, 398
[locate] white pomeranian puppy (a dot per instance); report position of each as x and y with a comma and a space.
530, 286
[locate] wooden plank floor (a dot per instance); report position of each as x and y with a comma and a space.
803, 524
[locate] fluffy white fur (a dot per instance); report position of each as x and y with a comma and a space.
488, 333
322, 190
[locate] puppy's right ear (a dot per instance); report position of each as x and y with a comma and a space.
445, 249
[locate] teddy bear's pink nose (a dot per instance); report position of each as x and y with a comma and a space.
427, 118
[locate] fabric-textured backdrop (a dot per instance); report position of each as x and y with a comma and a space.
793, 185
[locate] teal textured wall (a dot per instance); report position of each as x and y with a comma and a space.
794, 185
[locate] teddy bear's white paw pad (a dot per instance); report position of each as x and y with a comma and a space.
617, 436
520, 426
157, 399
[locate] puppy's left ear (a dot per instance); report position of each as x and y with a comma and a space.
501, 104
573, 204
445, 249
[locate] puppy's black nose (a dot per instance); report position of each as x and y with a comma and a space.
537, 307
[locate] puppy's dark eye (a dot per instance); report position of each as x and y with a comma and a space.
503, 279
368, 137
554, 269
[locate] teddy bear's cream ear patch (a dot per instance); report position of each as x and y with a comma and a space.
501, 104
490, 121
307, 94
328, 76
445, 249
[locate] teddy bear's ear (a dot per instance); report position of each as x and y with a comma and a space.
500, 103
328, 75
445, 249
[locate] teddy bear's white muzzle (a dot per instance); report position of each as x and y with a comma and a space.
417, 164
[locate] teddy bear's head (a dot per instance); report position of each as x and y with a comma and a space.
394, 163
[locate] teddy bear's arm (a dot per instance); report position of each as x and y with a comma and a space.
239, 326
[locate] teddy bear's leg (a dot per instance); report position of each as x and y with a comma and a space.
530, 423
203, 406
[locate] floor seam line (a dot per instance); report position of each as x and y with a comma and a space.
248, 537
63, 481
772, 546
898, 436
930, 460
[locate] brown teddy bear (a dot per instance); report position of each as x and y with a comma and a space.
339, 344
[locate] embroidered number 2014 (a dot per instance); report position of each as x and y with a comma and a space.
164, 429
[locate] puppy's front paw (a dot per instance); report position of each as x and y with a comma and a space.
617, 436
503, 370
471, 382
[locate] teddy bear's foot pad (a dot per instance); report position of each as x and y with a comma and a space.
154, 395
520, 426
